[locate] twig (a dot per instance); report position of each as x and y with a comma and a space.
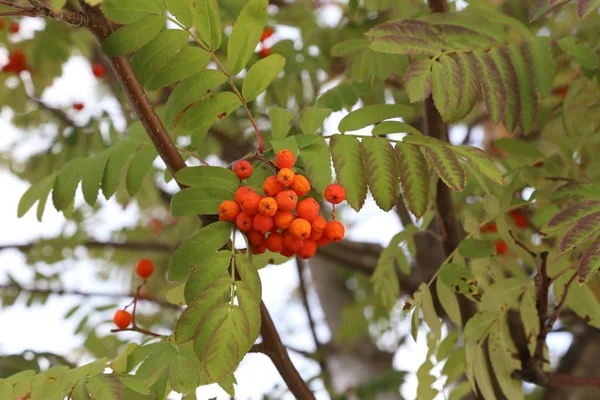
524, 247
9, 4
134, 326
561, 303
543, 287
138, 329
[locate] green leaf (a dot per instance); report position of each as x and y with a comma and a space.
249, 274
585, 7
449, 302
132, 37
189, 61
184, 374
387, 127
381, 171
503, 363
349, 47
418, 80
569, 215
469, 88
581, 300
481, 161
218, 292
414, 177
415, 322
311, 119
203, 200
128, 11
440, 87
538, 55
477, 327
182, 10
482, 376
512, 116
288, 143
104, 386
409, 46
92, 175
384, 278
454, 86
207, 176
447, 166
116, 163
492, 87
459, 278
529, 317
281, 122
202, 115
139, 168
250, 305
208, 21
429, 314
246, 34
580, 51
197, 247
317, 164
190, 90
584, 229
349, 168
474, 248
260, 76
66, 183
206, 272
34, 193
590, 262
518, 147
369, 115
151, 58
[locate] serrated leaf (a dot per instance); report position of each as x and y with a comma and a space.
184, 374
104, 386
317, 164
349, 47
128, 11
312, 118
249, 274
384, 278
492, 87
585, 7
182, 10
538, 55
418, 80
92, 175
459, 278
518, 147
281, 122
188, 62
527, 93
529, 316
475, 248
512, 116
197, 247
349, 168
482, 376
590, 262
206, 272
405, 45
203, 200
454, 86
580, 232
207, 176
581, 300
261, 75
580, 51
440, 87
132, 37
371, 114
388, 127
250, 305
381, 171
66, 183
218, 292
246, 34
113, 170
429, 314
208, 21
33, 194
139, 168
481, 161
469, 86
447, 166
414, 178
449, 302
222, 353
288, 143
569, 215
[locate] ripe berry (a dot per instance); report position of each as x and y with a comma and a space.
14, 27
266, 33
519, 219
322, 241
314, 235
267, 206
283, 219
291, 242
243, 169
241, 191
287, 200
308, 209
264, 52
300, 228
275, 242
78, 106
491, 227
318, 224
300, 185
98, 70
287, 252
144, 268
285, 159
262, 223
243, 222
122, 319
255, 238
272, 187
308, 250
334, 231
335, 193
228, 211
260, 249
562, 92
249, 203
286, 176
501, 247
156, 225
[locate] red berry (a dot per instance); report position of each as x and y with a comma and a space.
78, 106
501, 247
334, 231
144, 268
519, 219
308, 250
241, 191
266, 33
285, 159
98, 70
14, 27
243, 169
122, 319
275, 242
264, 52
491, 227
335, 193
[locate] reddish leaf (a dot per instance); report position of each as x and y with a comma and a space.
579, 233
590, 262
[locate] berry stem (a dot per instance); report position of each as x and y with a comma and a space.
134, 327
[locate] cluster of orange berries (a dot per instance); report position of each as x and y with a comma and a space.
519, 220
294, 226
144, 269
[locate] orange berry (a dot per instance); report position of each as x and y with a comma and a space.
255, 237
286, 200
287, 252
491, 227
315, 235
98, 70
335, 193
260, 249
275, 242
334, 231
501, 247
262, 223
122, 319
14, 27
144, 268
78, 106
283, 219
322, 241
300, 228
308, 250
156, 225
264, 52
241, 191
228, 211
272, 186
318, 224
300, 185
249, 203
285, 159
243, 169
266, 33
267, 206
308, 209
519, 219
286, 176
291, 242
244, 222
